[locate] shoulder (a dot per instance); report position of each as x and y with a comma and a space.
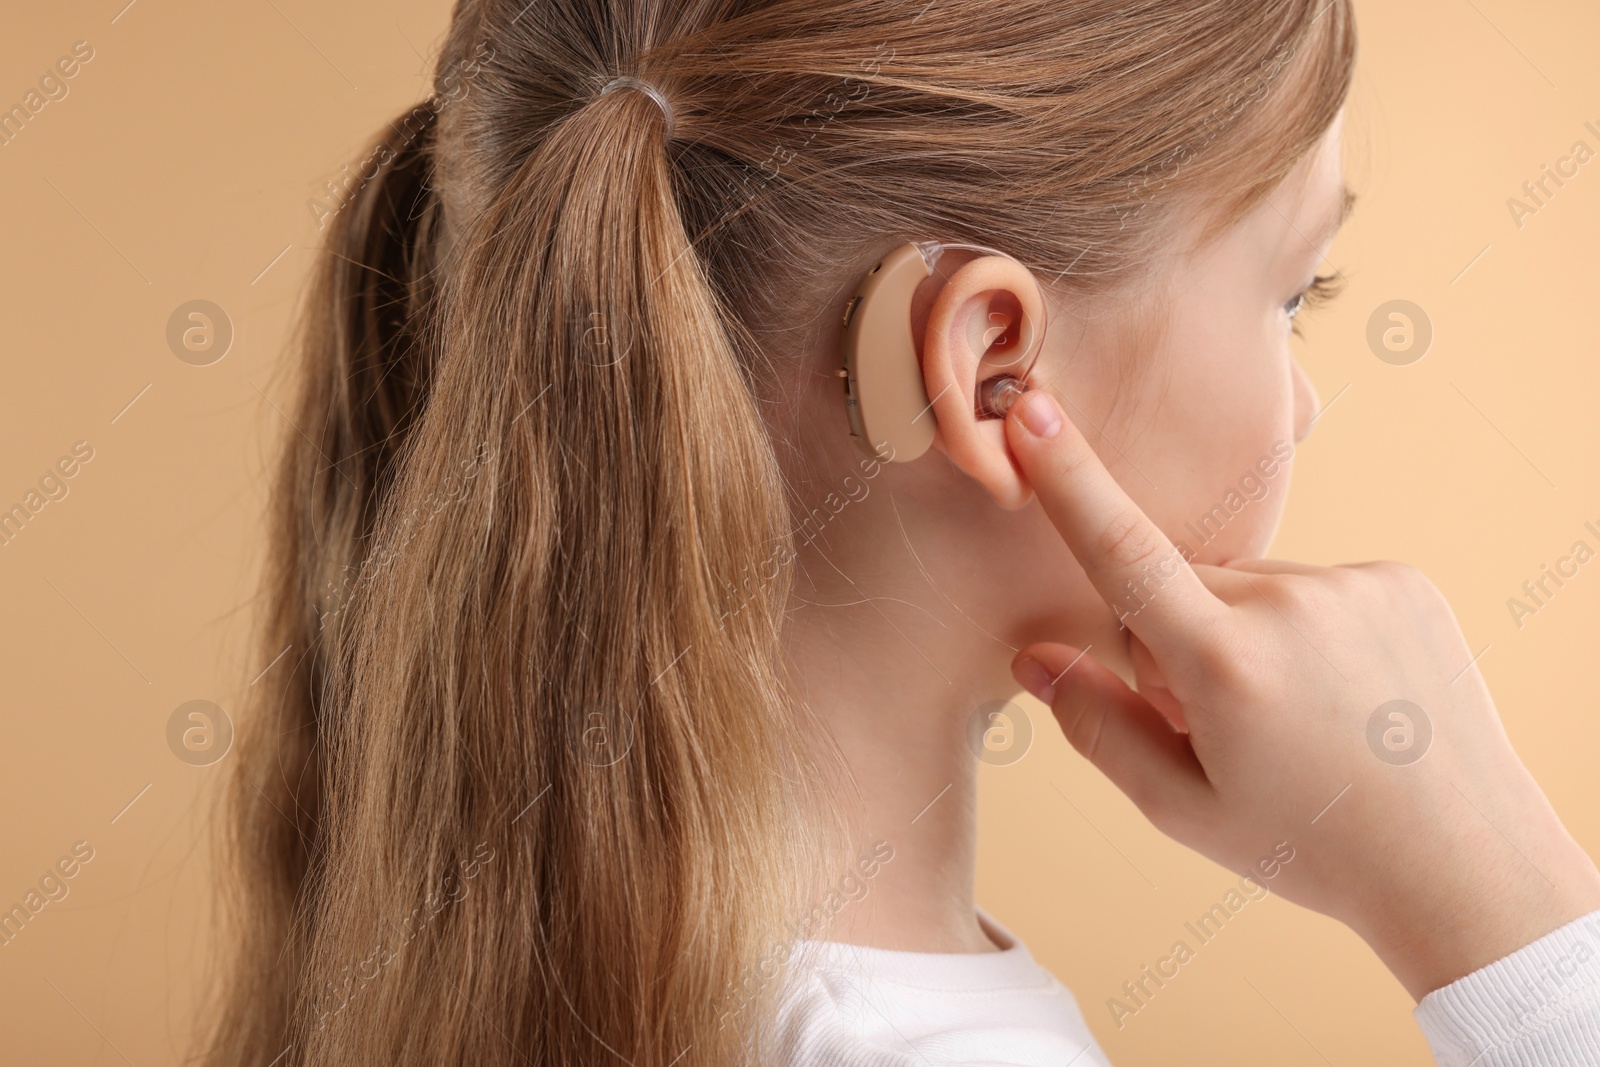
849, 1006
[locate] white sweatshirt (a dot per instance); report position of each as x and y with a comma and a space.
868, 1007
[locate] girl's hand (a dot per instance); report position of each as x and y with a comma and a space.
1416, 825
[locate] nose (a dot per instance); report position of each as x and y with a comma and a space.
1306, 403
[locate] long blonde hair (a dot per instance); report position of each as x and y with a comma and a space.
528, 785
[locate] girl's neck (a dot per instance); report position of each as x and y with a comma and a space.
897, 699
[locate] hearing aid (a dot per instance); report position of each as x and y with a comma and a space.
885, 398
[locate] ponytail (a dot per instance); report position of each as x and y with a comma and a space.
363, 376
547, 662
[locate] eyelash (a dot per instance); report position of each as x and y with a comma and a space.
1322, 290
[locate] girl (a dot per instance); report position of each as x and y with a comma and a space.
631, 707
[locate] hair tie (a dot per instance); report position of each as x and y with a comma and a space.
654, 94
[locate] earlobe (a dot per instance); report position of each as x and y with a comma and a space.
980, 327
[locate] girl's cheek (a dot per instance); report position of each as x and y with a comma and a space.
1240, 515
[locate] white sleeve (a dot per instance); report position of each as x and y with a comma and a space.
1538, 1007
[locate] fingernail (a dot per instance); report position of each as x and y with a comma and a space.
1040, 414
1036, 680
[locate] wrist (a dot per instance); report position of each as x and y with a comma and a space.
1498, 908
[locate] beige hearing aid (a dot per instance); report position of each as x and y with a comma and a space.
885, 398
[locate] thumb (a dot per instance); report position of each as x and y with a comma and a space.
1114, 727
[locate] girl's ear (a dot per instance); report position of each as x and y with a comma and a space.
979, 328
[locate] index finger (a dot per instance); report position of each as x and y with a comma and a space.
1134, 566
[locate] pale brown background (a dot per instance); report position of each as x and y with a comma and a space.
179, 167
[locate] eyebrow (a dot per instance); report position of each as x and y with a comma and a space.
1347, 204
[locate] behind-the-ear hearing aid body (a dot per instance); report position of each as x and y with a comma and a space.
885, 398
